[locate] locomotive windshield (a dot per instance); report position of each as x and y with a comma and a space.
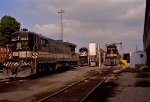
19, 42
112, 50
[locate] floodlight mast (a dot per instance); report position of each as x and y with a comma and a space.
61, 24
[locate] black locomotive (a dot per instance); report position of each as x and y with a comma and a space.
34, 53
112, 55
83, 56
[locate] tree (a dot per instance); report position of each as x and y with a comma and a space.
8, 25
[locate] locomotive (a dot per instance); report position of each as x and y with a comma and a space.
34, 53
83, 56
112, 55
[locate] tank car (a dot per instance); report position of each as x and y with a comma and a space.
34, 53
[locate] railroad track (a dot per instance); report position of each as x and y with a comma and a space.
79, 91
10, 80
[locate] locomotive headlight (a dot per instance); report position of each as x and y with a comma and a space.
18, 38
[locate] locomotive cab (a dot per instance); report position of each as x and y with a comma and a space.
23, 41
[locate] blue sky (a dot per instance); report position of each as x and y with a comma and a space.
7, 6
85, 21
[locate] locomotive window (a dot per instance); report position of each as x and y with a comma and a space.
44, 42
16, 38
24, 38
13, 39
112, 51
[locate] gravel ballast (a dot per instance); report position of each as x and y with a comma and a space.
127, 91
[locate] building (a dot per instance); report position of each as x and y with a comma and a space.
137, 58
146, 35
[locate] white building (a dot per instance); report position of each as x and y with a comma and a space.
137, 58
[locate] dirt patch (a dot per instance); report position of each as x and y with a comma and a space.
30, 90
142, 75
127, 92
106, 90
142, 83
143, 79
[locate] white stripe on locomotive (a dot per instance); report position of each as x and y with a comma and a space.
34, 55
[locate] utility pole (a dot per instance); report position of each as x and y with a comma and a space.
61, 24
136, 48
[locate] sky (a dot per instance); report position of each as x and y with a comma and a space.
84, 21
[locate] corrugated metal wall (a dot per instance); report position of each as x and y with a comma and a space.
146, 35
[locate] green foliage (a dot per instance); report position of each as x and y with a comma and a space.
8, 25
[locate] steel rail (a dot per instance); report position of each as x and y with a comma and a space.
85, 99
64, 89
10, 80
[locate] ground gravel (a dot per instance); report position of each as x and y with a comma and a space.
127, 92
25, 90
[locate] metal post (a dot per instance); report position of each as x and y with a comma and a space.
61, 26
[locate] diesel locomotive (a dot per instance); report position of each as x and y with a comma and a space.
83, 56
112, 55
34, 53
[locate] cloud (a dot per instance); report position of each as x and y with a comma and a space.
48, 30
135, 14
101, 21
